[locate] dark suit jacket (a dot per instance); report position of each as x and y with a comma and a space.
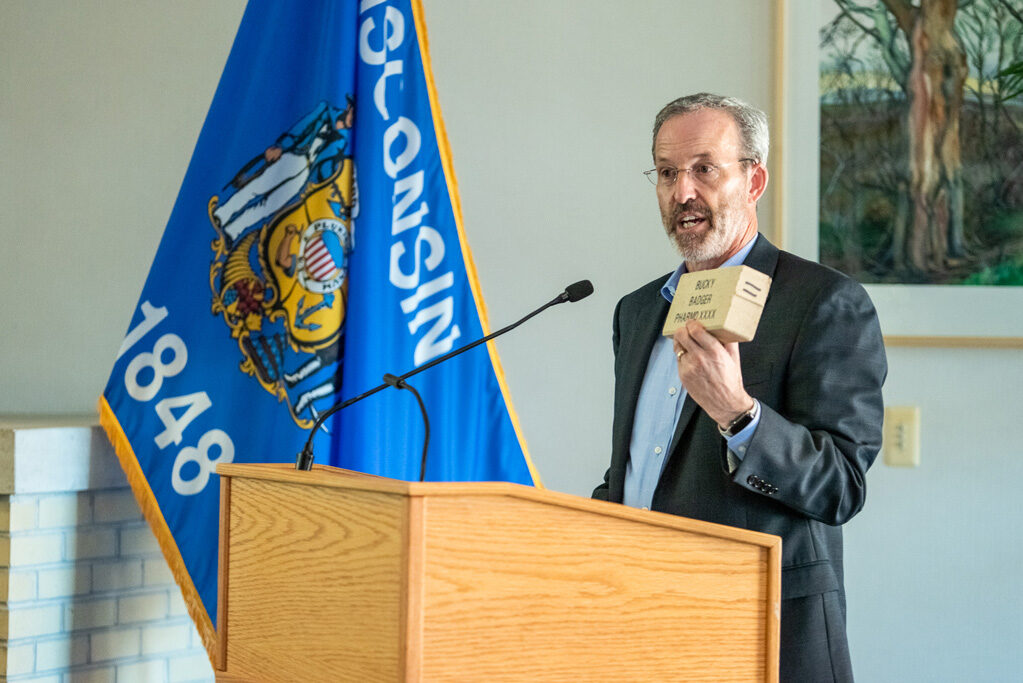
816, 365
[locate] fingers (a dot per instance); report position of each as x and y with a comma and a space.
700, 336
694, 337
679, 340
733, 350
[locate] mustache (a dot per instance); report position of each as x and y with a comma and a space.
690, 207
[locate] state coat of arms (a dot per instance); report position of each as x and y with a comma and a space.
279, 275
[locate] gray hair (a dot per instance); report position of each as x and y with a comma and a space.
752, 122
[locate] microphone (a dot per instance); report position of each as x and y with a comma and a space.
574, 292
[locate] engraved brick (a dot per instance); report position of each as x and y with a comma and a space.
114, 576
144, 607
194, 667
92, 543
30, 549
64, 582
138, 540
62, 653
65, 510
114, 644
90, 614
116, 506
165, 638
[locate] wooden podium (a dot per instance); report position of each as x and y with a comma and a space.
337, 576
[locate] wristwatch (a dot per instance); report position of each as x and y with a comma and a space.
740, 423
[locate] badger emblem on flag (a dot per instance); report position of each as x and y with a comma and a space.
280, 260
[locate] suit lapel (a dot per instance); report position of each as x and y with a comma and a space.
638, 335
763, 257
689, 409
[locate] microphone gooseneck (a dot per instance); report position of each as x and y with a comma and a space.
304, 461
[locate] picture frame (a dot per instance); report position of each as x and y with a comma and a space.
927, 315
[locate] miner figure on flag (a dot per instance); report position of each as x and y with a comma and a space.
280, 260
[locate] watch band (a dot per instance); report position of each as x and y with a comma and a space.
740, 423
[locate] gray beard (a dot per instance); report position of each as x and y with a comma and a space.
708, 246
701, 248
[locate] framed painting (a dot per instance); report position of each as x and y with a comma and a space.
914, 184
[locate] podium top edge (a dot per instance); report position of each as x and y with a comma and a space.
333, 477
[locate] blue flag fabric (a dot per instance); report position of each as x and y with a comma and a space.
316, 244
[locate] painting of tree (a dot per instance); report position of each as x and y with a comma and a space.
922, 140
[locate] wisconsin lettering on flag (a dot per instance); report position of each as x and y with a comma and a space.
316, 243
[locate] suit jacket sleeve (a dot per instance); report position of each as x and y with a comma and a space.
820, 433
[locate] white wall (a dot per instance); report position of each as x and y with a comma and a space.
932, 562
548, 105
101, 103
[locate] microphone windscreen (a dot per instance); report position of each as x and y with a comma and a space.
579, 290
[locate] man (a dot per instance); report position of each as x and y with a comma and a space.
775, 434
308, 153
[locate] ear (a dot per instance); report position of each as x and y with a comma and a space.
758, 183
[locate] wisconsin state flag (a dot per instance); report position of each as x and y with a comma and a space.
316, 244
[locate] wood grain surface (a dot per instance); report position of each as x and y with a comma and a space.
345, 577
315, 584
515, 591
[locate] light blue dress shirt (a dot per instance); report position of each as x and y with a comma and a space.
659, 406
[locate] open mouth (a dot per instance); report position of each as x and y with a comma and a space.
690, 221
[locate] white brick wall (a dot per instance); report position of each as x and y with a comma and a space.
16, 585
119, 575
62, 582
85, 594
65, 510
30, 549
150, 671
32, 620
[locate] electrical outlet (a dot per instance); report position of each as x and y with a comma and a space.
901, 444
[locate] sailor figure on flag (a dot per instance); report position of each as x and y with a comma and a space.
280, 260
258, 313
308, 153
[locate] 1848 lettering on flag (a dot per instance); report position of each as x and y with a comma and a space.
316, 244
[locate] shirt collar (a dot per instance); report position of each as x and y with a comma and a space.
737, 259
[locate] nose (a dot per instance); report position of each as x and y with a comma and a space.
684, 188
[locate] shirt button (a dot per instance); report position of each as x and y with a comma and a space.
672, 391
657, 450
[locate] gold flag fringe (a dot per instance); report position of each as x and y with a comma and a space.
151, 511
456, 208
126, 454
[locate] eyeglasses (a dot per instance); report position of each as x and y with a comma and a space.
703, 173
